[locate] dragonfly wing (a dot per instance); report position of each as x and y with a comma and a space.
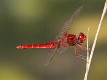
62, 50
50, 56
52, 53
67, 25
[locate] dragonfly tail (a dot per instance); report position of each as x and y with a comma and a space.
31, 46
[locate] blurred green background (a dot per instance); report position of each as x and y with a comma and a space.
38, 21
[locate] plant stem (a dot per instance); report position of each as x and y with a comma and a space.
95, 40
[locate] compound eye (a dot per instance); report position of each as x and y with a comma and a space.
82, 37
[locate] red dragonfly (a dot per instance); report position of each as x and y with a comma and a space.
63, 40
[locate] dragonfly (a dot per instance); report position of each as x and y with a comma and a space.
63, 40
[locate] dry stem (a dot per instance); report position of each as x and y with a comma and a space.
94, 43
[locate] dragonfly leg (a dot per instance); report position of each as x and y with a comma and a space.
83, 47
77, 54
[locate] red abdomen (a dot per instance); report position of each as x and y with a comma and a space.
45, 45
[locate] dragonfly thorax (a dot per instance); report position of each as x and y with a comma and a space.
71, 39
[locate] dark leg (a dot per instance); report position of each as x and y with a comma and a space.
77, 54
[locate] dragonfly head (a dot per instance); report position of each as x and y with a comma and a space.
81, 38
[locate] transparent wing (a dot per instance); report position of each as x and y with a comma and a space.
61, 47
62, 50
52, 53
65, 28
63, 44
67, 25
50, 56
